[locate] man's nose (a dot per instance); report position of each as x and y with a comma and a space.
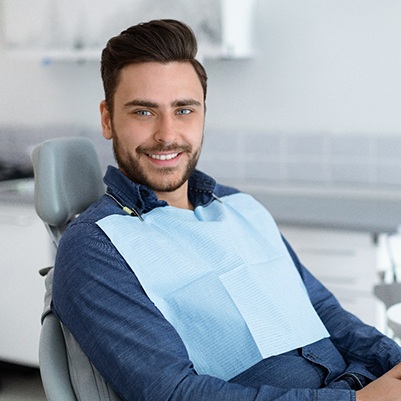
165, 130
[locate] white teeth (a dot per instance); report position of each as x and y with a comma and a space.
164, 157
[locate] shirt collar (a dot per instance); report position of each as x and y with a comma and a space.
143, 199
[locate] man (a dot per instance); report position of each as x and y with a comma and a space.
178, 288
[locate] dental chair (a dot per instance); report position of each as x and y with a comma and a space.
68, 178
390, 295
389, 292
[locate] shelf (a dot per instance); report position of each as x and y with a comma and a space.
49, 56
46, 56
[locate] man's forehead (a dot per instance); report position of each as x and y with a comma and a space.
151, 81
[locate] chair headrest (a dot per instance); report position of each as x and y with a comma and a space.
68, 178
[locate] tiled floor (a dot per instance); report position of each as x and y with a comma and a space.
20, 384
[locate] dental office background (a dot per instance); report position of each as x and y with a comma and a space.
304, 112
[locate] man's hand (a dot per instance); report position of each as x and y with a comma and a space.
385, 388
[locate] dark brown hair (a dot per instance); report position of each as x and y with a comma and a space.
158, 40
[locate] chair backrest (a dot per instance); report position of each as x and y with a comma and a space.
388, 293
68, 178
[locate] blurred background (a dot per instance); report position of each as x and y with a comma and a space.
303, 111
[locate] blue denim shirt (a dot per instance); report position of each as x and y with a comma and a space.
98, 297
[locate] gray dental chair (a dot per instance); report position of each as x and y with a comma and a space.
68, 178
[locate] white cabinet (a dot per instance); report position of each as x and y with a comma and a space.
345, 262
79, 29
25, 248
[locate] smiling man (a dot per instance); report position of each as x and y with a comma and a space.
157, 135
178, 288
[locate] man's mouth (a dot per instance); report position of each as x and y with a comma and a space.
163, 157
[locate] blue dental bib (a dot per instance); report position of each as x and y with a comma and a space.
222, 276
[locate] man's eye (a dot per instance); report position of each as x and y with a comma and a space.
143, 113
184, 111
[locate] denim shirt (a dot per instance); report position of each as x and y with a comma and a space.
100, 300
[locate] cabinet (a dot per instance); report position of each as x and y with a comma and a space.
25, 248
68, 30
345, 262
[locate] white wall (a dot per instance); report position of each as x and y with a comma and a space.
319, 65
58, 94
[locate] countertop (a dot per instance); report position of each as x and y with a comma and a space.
20, 191
358, 209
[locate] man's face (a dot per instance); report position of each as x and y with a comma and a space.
157, 123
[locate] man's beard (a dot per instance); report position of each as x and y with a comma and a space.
132, 168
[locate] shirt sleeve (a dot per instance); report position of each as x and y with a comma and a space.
363, 347
97, 296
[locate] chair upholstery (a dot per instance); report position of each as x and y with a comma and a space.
389, 294
53, 361
394, 319
68, 178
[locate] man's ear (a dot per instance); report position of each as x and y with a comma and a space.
105, 120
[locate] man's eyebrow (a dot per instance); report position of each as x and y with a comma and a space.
141, 103
150, 104
186, 102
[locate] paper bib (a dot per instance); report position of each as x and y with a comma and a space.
221, 275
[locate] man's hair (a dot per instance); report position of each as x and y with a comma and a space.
155, 41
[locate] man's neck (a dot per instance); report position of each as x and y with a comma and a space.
177, 198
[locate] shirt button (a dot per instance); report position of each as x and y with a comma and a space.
144, 193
